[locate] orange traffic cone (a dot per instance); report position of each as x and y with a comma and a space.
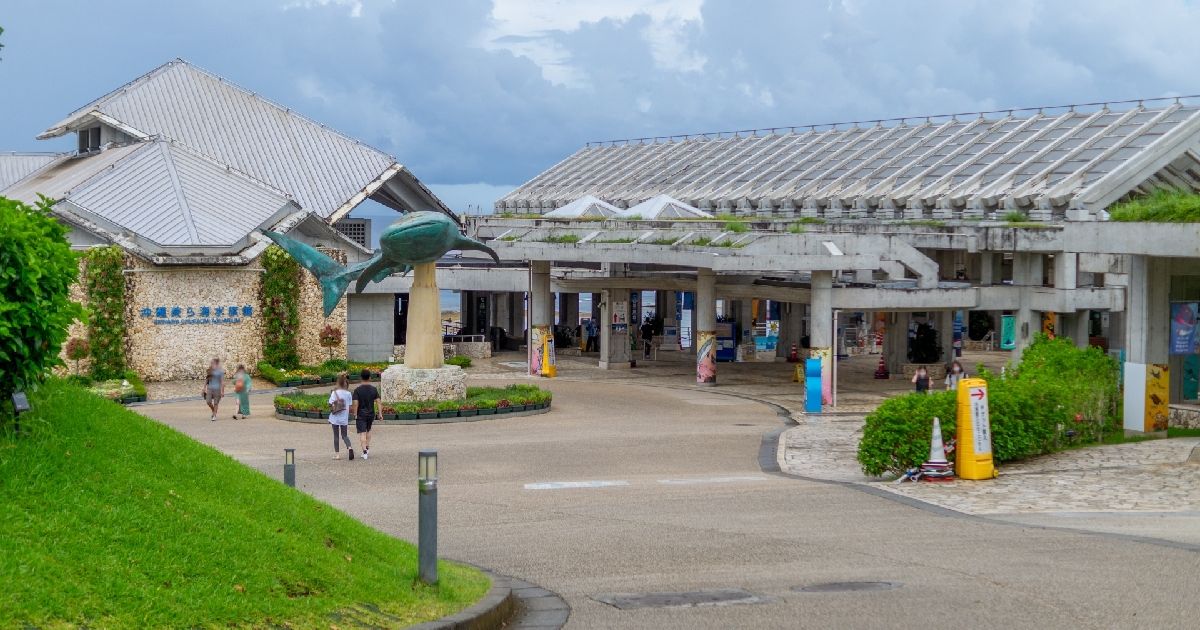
881, 372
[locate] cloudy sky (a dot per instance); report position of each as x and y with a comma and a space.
478, 96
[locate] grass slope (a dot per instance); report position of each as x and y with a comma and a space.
111, 520
1163, 206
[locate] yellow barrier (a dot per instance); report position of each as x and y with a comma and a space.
973, 430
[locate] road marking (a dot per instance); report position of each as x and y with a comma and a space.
559, 485
681, 482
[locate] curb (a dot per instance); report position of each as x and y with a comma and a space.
493, 611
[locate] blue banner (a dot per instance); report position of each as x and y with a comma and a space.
1183, 327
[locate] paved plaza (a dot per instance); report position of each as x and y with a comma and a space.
638, 482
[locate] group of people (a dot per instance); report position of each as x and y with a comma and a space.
214, 389
954, 374
363, 404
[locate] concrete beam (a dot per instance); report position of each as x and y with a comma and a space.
1167, 240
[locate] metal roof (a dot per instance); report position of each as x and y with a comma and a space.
168, 197
15, 166
1071, 164
327, 173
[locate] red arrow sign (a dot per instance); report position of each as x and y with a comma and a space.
978, 394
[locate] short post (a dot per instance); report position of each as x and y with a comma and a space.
20, 405
289, 467
427, 475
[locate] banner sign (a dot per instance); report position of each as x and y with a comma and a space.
1008, 332
1183, 327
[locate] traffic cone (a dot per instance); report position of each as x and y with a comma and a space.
937, 468
881, 372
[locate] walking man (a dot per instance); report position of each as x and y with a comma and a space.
366, 409
647, 332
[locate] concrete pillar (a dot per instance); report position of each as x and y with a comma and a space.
1080, 321
1027, 273
541, 321
895, 342
614, 329
820, 330
706, 327
745, 319
945, 326
989, 268
1147, 339
1066, 270
568, 309
791, 328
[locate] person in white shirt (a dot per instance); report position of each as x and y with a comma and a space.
340, 400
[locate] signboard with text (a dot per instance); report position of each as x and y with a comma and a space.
189, 315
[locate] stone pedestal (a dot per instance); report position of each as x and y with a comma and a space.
401, 383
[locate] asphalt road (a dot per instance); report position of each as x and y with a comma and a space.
686, 507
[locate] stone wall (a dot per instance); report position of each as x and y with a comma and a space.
77, 329
158, 350
313, 320
1184, 416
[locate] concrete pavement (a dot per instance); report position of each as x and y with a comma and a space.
693, 511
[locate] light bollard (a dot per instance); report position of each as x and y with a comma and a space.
289, 467
427, 475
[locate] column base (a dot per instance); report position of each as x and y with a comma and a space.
404, 384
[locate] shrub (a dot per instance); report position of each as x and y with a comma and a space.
737, 227
1015, 216
330, 337
459, 360
279, 297
1054, 384
77, 350
104, 281
37, 268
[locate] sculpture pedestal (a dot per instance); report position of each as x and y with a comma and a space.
424, 347
400, 383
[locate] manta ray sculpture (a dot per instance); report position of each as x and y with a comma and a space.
420, 237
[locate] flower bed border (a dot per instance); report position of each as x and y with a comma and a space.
293, 415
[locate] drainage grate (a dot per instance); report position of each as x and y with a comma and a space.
686, 599
844, 587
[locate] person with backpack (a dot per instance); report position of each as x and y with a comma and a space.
366, 409
340, 400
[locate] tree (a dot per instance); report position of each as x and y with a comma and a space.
37, 268
78, 350
331, 337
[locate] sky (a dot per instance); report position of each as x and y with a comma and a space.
479, 96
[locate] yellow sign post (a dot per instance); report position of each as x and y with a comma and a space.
973, 453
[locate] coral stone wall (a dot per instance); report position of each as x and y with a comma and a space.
313, 320
167, 351
78, 328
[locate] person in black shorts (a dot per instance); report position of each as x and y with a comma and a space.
366, 409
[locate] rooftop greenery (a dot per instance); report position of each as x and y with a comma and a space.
1164, 206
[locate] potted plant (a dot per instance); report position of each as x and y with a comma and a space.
448, 409
427, 413
485, 407
503, 406
389, 412
467, 410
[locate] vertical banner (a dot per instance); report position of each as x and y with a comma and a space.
973, 456
1049, 323
537, 340
1008, 332
1183, 327
1158, 380
706, 357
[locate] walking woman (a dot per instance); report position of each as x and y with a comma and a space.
214, 387
921, 380
954, 374
241, 387
340, 400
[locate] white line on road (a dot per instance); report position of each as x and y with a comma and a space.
711, 480
559, 485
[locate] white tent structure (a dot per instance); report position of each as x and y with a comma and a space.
586, 206
665, 207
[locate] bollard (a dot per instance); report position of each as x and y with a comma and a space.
427, 516
289, 467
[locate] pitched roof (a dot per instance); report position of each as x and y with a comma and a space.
169, 197
15, 166
1048, 162
326, 172
585, 206
665, 207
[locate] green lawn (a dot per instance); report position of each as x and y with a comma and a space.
110, 520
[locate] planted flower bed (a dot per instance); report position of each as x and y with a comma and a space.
480, 401
319, 374
125, 390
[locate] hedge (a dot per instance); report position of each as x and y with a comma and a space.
1054, 389
316, 374
479, 400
